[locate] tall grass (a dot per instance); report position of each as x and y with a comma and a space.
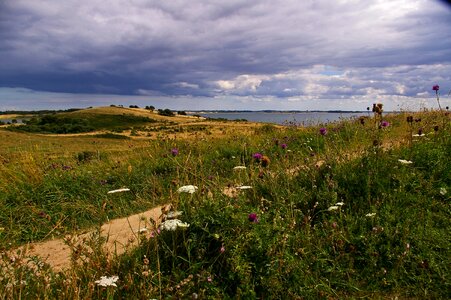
339, 216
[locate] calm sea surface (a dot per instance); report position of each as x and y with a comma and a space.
299, 118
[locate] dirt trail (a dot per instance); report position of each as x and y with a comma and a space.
121, 234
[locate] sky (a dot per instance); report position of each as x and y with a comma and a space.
225, 55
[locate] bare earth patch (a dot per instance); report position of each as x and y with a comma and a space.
121, 234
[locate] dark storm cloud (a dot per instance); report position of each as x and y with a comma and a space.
274, 49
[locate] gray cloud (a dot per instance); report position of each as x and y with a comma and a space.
275, 49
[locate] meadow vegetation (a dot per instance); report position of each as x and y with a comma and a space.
356, 208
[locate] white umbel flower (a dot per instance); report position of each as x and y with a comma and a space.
239, 168
333, 207
188, 189
118, 191
244, 187
173, 214
171, 225
405, 162
107, 281
370, 215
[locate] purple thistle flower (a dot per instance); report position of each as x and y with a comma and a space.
435, 87
384, 124
175, 152
252, 217
323, 131
284, 146
257, 156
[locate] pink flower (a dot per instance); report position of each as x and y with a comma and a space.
257, 156
283, 146
435, 87
252, 218
385, 124
222, 250
175, 152
323, 131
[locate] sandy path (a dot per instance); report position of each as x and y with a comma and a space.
121, 234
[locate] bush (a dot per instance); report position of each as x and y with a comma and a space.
165, 112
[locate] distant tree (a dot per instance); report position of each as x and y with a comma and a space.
14, 121
183, 113
134, 106
112, 105
166, 112
150, 107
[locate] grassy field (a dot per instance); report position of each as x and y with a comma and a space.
358, 209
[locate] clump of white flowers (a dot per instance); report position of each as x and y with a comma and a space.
172, 225
191, 189
370, 215
106, 281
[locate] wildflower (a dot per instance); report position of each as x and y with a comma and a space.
252, 217
187, 189
244, 187
222, 250
409, 119
384, 124
239, 168
435, 87
284, 146
339, 203
107, 281
142, 230
257, 156
171, 225
119, 190
443, 191
173, 214
323, 131
405, 162
370, 215
174, 151
333, 207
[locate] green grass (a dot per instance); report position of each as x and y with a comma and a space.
79, 122
299, 248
